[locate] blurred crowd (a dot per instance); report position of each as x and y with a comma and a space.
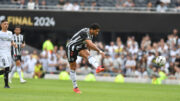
76, 5
130, 58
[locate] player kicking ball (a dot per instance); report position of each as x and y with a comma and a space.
6, 40
79, 45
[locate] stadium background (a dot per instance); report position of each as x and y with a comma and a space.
126, 25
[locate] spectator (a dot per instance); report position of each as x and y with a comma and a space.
150, 57
61, 51
149, 6
31, 5
48, 45
144, 73
22, 4
111, 49
177, 61
166, 2
38, 70
30, 65
15, 2
25, 58
136, 73
133, 49
117, 64
175, 35
68, 6
108, 63
36, 4
142, 63
129, 65
163, 47
52, 63
55, 50
63, 63
43, 5
173, 54
44, 61
76, 7
93, 6
35, 55
61, 3
82, 5
146, 42
120, 46
128, 3
178, 4
119, 3
129, 42
161, 7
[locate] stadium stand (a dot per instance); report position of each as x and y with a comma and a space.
105, 3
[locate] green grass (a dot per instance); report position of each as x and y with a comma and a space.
56, 90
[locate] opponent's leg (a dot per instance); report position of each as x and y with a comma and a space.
85, 54
6, 72
1, 72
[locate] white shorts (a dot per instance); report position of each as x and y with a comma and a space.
5, 61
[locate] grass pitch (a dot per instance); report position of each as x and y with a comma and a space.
56, 90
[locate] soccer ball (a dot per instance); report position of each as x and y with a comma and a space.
160, 60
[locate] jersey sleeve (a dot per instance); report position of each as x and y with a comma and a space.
85, 36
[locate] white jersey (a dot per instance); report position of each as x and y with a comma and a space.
5, 42
5, 48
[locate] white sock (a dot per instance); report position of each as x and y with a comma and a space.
93, 61
12, 72
73, 78
19, 72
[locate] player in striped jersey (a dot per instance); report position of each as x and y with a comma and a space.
6, 40
79, 45
16, 53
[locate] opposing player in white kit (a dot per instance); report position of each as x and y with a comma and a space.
6, 40
16, 53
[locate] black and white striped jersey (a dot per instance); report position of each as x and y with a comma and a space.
19, 40
77, 42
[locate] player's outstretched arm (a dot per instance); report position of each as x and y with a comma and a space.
92, 46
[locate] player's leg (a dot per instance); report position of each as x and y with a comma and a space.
18, 65
1, 72
13, 69
85, 54
73, 76
6, 73
12, 73
72, 56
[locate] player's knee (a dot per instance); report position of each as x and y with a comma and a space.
73, 66
18, 63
